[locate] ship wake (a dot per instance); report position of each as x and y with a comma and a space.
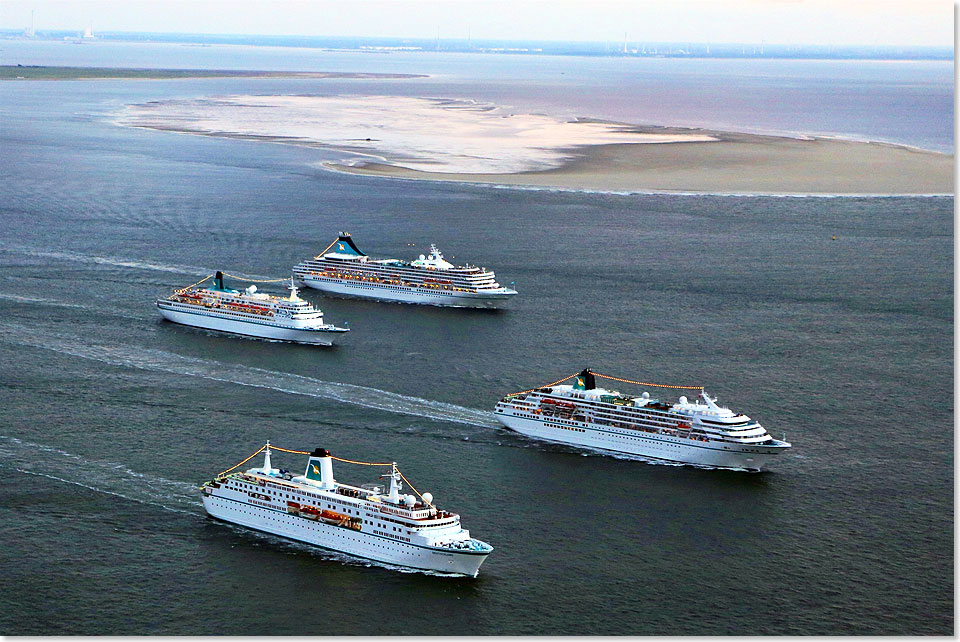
116, 480
106, 477
162, 361
90, 309
77, 257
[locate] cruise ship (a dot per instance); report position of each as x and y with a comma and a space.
343, 270
248, 312
691, 432
365, 521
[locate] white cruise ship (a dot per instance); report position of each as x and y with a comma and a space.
693, 432
249, 313
346, 271
363, 521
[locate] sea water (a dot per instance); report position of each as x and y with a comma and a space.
110, 418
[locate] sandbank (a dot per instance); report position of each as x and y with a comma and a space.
734, 164
455, 140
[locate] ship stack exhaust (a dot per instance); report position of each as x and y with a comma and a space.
585, 380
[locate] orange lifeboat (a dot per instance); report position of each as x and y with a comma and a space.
331, 517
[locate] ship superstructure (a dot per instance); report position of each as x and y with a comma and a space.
248, 312
343, 270
368, 521
695, 432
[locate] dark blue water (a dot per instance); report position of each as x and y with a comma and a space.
110, 418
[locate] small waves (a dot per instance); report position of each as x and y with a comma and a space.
91, 259
289, 383
71, 306
105, 260
589, 451
162, 361
116, 480
330, 554
100, 476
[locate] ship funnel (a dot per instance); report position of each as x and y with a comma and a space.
218, 280
585, 380
345, 245
320, 469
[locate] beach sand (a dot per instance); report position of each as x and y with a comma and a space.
735, 164
452, 140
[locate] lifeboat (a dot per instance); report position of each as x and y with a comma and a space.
331, 517
339, 519
309, 512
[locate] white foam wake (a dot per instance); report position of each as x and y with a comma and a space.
65, 255
116, 480
32, 300
78, 257
162, 361
100, 476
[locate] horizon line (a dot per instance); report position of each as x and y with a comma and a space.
15, 31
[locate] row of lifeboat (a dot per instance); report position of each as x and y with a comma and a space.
557, 404
682, 428
326, 516
194, 298
426, 283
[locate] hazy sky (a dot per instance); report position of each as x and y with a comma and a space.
895, 22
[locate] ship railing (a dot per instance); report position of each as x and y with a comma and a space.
465, 545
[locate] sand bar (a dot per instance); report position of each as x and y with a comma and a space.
454, 140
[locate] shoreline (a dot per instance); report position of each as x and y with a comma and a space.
456, 140
734, 165
43, 72
333, 167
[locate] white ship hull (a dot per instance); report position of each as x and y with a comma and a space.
635, 442
249, 328
405, 294
345, 540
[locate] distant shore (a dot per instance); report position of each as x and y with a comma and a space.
31, 72
441, 139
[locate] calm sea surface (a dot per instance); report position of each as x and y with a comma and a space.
110, 418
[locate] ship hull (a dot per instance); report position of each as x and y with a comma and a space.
344, 540
634, 442
249, 328
402, 294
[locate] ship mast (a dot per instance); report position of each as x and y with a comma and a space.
266, 459
395, 485
293, 290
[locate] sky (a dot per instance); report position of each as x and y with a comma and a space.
814, 22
